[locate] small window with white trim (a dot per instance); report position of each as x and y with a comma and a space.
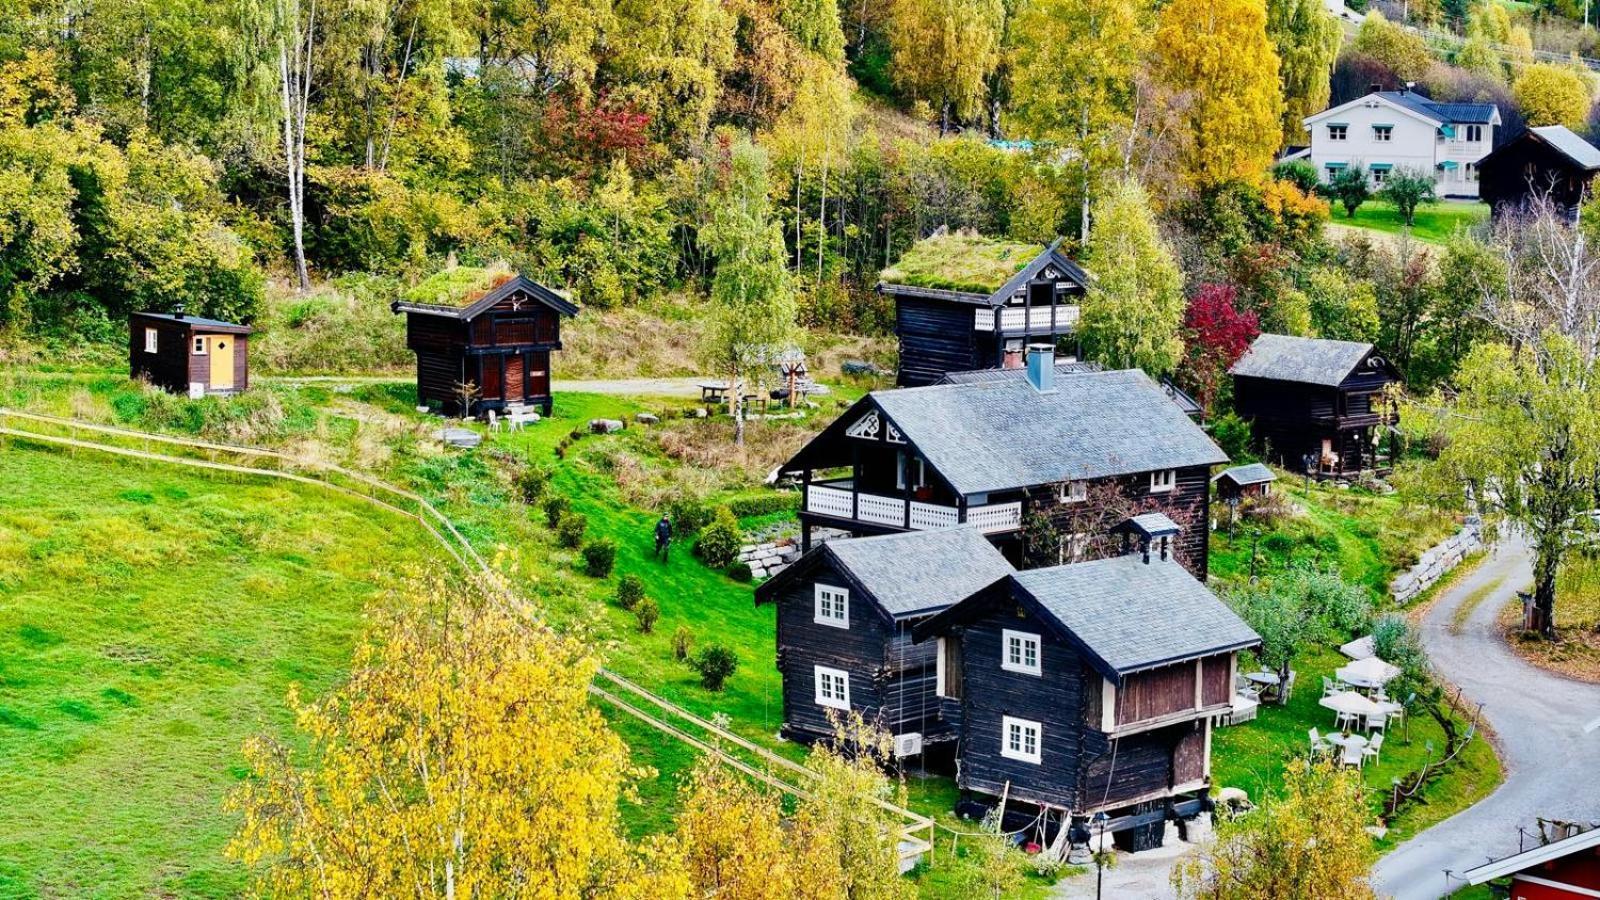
833, 688
1163, 481
1019, 652
832, 606
1074, 491
1020, 739
199, 346
150, 340
1338, 132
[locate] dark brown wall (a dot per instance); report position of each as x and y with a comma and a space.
803, 644
936, 338
1187, 504
168, 367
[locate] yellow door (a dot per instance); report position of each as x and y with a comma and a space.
221, 347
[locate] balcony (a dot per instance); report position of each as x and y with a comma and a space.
1055, 319
839, 500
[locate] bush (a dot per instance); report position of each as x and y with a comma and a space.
647, 612
689, 515
555, 506
715, 664
764, 504
531, 483
719, 542
1232, 434
630, 590
569, 532
740, 572
599, 556
682, 643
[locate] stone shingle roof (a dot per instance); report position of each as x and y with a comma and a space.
1560, 138
1001, 435
920, 572
1282, 357
977, 376
1134, 615
1252, 473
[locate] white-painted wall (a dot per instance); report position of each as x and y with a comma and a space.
1415, 145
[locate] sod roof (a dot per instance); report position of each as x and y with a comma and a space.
964, 262
460, 286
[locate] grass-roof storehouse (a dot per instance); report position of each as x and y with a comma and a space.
487, 328
965, 302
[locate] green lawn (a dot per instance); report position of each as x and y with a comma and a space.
1434, 223
150, 620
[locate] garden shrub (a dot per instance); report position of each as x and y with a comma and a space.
569, 531
682, 643
740, 572
531, 483
764, 504
630, 590
1232, 434
647, 612
719, 542
555, 506
716, 663
689, 515
599, 556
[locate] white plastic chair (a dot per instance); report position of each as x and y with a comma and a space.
494, 422
1376, 722
1354, 755
1319, 745
1374, 748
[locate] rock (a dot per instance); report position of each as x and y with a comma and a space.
647, 418
605, 426
699, 413
459, 437
858, 367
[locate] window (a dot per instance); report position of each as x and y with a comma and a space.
1163, 481
1020, 652
1338, 132
1333, 170
912, 468
1074, 492
1379, 176
1071, 548
833, 688
1472, 172
832, 606
1472, 134
199, 346
150, 340
1383, 134
1019, 739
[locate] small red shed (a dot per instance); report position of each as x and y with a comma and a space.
1565, 869
189, 354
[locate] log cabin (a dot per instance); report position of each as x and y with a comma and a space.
189, 355
1044, 466
965, 302
1549, 164
489, 329
1090, 688
1315, 405
845, 612
1240, 482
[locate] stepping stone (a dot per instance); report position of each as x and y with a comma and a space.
646, 418
605, 426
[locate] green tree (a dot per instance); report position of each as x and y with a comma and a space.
38, 240
1134, 309
1216, 53
1401, 50
1553, 95
1307, 39
1073, 82
1406, 189
1349, 186
1342, 308
753, 307
671, 56
942, 51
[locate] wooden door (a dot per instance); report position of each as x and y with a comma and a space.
539, 374
515, 384
221, 349
491, 383
1189, 762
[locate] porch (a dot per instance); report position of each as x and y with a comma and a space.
840, 501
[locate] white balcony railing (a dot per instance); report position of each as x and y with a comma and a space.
1061, 317
919, 516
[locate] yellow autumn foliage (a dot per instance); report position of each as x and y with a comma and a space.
1553, 95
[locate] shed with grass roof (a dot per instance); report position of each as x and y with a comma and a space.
965, 302
483, 333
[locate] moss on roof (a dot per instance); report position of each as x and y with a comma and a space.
460, 286
961, 262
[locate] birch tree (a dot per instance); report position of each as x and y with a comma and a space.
295, 24
1134, 309
942, 51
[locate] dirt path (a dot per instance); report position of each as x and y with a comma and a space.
1548, 726
627, 387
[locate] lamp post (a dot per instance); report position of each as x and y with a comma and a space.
1100, 820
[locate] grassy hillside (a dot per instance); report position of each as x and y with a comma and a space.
1434, 223
150, 620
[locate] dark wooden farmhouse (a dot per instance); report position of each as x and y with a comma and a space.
1549, 162
966, 302
491, 330
1315, 402
1090, 687
845, 613
1239, 482
1044, 466
188, 354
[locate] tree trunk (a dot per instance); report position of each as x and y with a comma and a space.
1543, 617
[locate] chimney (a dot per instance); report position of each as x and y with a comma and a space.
177, 311
1374, 88
1042, 367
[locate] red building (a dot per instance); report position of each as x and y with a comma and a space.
1567, 869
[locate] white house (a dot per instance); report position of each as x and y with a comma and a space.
1387, 131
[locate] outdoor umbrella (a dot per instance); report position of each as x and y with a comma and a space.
1351, 703
1360, 648
1369, 672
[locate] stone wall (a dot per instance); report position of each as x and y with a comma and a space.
768, 558
1436, 561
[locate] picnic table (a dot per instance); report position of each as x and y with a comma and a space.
714, 391
1265, 679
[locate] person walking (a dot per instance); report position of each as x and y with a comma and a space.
663, 537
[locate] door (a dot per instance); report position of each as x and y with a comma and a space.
515, 390
221, 349
539, 374
491, 377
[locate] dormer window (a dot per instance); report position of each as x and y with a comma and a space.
1019, 652
1163, 482
1074, 492
150, 340
1383, 134
1338, 132
832, 606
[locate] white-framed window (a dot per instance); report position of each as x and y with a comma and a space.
1472, 134
1334, 170
1020, 739
913, 467
1163, 481
832, 606
199, 346
1472, 171
1338, 132
150, 340
1379, 176
833, 687
1019, 652
1074, 491
1383, 134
